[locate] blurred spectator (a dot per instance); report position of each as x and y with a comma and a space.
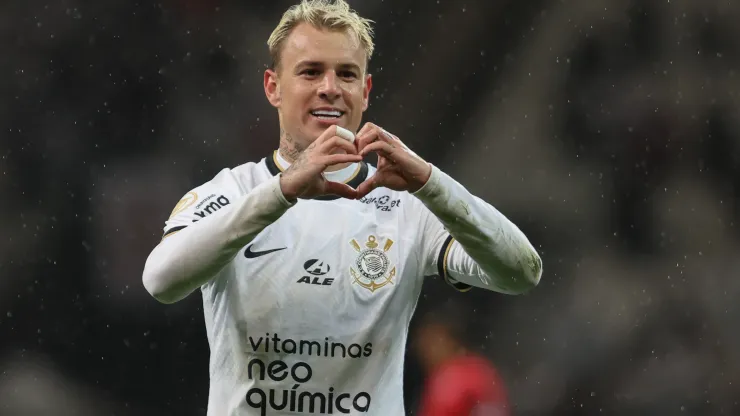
459, 380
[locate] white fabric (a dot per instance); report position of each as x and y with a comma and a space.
321, 322
490, 251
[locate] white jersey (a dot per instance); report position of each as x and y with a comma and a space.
311, 316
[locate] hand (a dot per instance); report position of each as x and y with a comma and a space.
304, 178
399, 168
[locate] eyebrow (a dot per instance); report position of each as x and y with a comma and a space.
313, 64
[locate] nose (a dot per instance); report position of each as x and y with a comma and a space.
329, 88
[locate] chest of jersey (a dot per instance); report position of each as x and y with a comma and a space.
328, 264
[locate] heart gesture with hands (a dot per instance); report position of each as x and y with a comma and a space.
305, 179
399, 168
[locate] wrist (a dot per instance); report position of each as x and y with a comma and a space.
421, 180
288, 194
431, 187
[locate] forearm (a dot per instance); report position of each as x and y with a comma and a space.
504, 259
191, 257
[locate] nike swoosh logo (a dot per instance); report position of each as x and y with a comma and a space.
248, 253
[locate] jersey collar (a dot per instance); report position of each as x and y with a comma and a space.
353, 175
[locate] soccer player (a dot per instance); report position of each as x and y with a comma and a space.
310, 261
460, 381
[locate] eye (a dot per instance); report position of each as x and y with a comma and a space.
348, 74
310, 72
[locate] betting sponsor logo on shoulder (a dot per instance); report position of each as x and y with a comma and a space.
209, 205
383, 203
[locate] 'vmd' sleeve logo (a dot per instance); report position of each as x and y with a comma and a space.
210, 205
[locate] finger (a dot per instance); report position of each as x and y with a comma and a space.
376, 134
380, 133
330, 160
382, 162
392, 138
367, 186
339, 189
326, 135
384, 149
369, 129
345, 134
335, 143
366, 128
364, 140
386, 135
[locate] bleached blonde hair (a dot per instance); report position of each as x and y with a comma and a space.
321, 14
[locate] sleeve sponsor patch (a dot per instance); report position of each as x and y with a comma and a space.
210, 205
184, 203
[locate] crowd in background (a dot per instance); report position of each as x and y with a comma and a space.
607, 129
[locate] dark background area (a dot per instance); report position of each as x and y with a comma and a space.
606, 129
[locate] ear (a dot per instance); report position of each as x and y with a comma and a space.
366, 91
272, 88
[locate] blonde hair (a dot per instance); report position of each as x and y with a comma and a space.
321, 14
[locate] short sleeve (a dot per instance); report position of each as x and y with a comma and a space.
203, 201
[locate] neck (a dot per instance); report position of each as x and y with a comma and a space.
291, 149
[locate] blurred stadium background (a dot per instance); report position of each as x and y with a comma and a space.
607, 129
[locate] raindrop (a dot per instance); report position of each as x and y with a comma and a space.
74, 13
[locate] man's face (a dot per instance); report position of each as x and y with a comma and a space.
321, 80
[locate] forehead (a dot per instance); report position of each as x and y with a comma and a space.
331, 47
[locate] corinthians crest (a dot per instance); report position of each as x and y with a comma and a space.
372, 269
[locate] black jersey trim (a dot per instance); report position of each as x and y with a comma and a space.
173, 230
442, 266
354, 182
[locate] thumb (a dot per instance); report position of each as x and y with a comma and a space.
368, 185
340, 189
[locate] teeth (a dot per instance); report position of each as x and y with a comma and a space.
323, 113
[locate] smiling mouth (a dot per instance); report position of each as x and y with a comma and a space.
327, 114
